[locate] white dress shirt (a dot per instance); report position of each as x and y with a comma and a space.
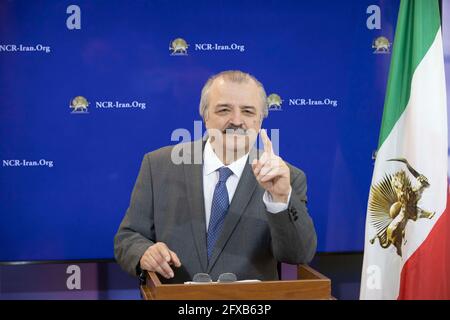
211, 163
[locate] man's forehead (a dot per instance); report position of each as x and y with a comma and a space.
223, 83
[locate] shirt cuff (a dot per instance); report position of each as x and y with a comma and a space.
275, 207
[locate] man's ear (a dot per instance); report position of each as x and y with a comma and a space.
206, 134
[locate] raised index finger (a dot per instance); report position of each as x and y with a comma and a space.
266, 141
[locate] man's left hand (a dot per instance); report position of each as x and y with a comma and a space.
271, 172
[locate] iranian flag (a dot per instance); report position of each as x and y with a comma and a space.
407, 247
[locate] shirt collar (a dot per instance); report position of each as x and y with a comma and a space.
211, 162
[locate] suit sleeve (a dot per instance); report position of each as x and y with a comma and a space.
136, 232
292, 231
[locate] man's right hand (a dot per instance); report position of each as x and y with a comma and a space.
159, 258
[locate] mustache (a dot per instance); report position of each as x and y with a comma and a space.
232, 129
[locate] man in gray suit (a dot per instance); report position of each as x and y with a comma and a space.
236, 210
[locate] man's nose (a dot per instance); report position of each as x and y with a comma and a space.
236, 118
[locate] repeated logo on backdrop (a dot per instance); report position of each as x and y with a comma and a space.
381, 45
179, 47
35, 48
274, 101
80, 105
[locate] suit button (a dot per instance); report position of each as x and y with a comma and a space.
295, 218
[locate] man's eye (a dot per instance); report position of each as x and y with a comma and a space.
248, 112
222, 110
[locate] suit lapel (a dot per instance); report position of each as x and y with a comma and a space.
241, 198
193, 174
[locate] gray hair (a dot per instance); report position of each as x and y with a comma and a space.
235, 76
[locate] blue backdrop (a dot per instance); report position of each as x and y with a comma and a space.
66, 177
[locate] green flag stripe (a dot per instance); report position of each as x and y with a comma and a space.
417, 24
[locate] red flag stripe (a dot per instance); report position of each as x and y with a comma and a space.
426, 274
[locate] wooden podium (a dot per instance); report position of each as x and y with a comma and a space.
311, 285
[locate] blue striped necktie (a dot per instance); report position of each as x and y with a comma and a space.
219, 209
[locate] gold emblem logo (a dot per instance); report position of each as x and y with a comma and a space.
79, 104
392, 202
178, 47
274, 102
381, 45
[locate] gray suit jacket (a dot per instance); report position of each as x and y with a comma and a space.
167, 206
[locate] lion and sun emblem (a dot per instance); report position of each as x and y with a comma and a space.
392, 202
